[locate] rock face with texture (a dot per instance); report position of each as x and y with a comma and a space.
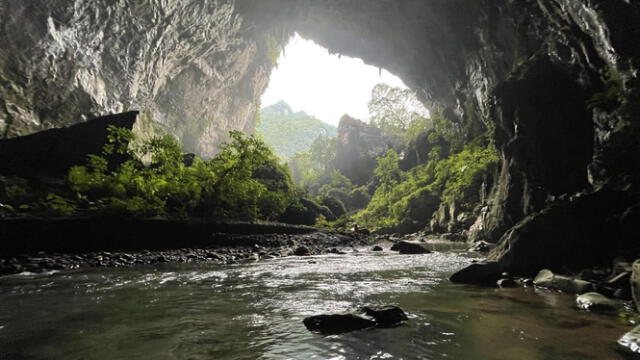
193, 65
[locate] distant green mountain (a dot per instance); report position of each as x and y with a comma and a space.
288, 132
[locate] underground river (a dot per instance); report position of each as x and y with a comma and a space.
255, 310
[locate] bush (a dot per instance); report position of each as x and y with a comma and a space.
334, 205
244, 181
418, 193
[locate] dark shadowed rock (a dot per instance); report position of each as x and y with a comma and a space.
386, 316
409, 248
52, 152
486, 273
302, 251
337, 323
506, 283
377, 248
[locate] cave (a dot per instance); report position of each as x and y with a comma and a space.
528, 72
554, 82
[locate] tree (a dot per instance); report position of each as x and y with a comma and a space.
396, 111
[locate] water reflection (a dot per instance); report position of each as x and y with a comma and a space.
255, 311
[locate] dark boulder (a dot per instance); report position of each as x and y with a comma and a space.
409, 248
486, 273
386, 316
377, 248
302, 251
567, 235
52, 152
337, 323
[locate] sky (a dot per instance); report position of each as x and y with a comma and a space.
326, 86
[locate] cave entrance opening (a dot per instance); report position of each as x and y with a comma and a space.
310, 90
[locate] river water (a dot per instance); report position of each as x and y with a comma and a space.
255, 311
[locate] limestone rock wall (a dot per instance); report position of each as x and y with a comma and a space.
191, 64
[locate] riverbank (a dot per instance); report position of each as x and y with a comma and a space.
38, 245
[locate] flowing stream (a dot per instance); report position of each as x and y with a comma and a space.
255, 311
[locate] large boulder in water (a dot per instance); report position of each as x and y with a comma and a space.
409, 248
337, 323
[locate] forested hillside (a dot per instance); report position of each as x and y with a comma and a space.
288, 132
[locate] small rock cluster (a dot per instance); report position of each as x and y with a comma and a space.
234, 249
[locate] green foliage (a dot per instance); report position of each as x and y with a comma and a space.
244, 181
406, 196
398, 111
290, 133
59, 205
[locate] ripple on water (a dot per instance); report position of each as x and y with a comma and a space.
255, 311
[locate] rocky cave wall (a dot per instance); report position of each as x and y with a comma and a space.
553, 82
193, 65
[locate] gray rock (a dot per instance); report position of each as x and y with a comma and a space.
406, 247
593, 301
547, 279
337, 323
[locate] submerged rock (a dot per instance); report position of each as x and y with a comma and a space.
547, 279
409, 248
593, 301
328, 324
337, 323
